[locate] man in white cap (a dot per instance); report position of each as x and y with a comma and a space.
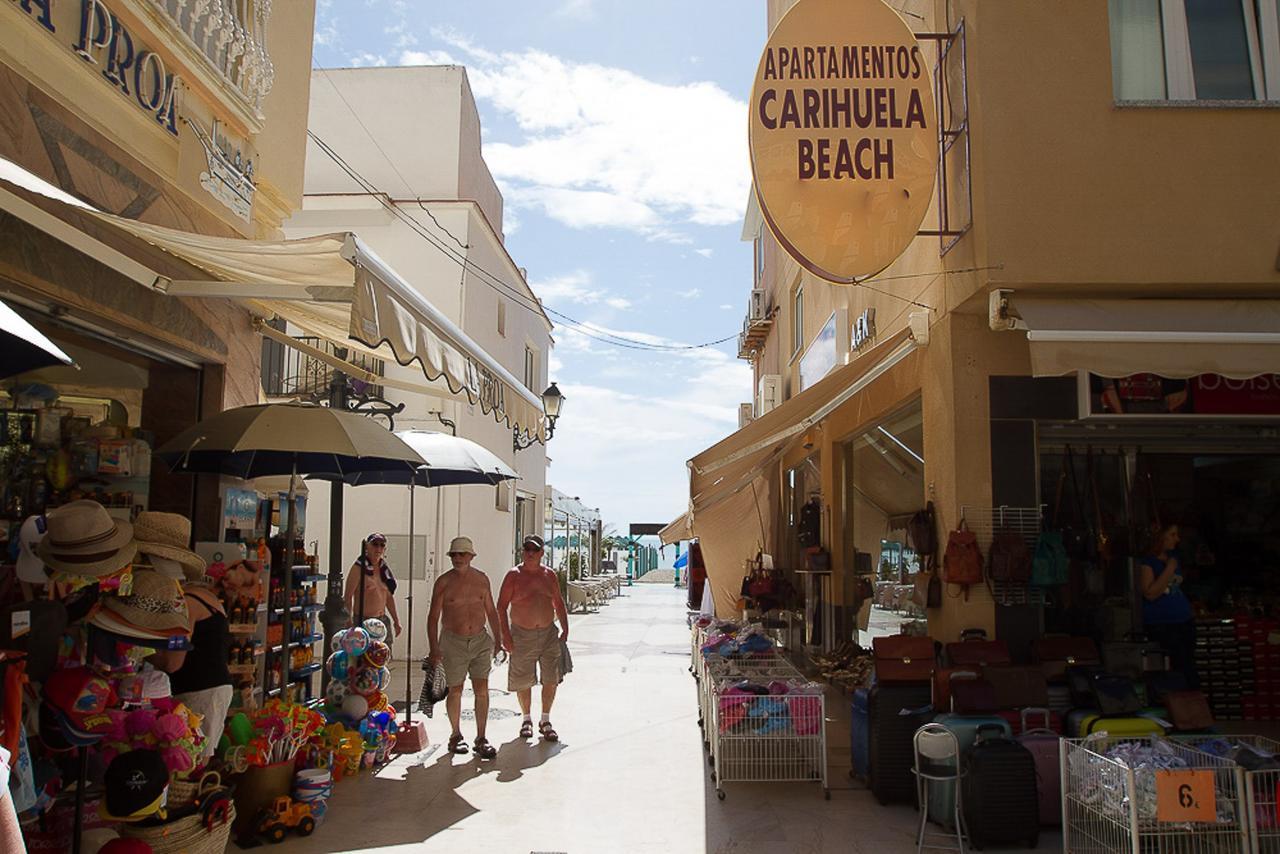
463, 600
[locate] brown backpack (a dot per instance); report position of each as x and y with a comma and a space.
962, 561
922, 535
1009, 558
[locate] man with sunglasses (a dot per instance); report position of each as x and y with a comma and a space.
532, 593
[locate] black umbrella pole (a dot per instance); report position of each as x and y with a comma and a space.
408, 656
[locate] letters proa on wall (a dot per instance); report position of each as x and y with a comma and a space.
102, 40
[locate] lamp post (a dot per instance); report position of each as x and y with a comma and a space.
552, 400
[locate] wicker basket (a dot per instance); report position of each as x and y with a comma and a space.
184, 835
182, 793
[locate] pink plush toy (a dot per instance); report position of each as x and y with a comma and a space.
169, 727
177, 760
140, 722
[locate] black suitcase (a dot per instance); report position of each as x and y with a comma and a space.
1001, 803
892, 754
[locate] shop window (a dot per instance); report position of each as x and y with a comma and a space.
502, 497
502, 318
1208, 50
758, 249
530, 369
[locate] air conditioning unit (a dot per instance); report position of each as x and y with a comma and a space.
746, 414
768, 393
758, 309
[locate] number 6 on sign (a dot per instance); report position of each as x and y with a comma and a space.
1185, 796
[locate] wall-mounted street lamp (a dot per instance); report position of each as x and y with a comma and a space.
552, 400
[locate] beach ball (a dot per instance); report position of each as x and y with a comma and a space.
355, 707
337, 693
376, 628
377, 654
364, 681
337, 665
354, 641
384, 678
377, 701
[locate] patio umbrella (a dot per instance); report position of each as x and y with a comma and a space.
23, 347
289, 439
450, 461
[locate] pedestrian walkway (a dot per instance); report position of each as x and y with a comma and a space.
630, 774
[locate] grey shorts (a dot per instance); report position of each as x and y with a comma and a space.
466, 656
535, 658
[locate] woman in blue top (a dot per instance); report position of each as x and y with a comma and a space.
1166, 611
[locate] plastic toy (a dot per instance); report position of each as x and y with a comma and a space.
283, 815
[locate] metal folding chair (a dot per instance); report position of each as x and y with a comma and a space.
937, 760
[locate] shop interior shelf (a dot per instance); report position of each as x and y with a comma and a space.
307, 641
311, 579
243, 628
304, 672
301, 609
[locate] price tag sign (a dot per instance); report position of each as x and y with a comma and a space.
20, 624
1185, 796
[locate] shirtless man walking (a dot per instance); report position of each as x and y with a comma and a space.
463, 599
532, 592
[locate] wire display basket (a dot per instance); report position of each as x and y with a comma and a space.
1129, 795
769, 739
1261, 790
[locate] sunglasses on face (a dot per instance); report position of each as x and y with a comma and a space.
533, 549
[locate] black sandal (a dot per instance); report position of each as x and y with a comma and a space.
457, 745
547, 732
485, 750
526, 729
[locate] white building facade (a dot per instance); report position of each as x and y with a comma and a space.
394, 156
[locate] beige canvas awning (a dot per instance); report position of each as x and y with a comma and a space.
331, 286
677, 530
1237, 338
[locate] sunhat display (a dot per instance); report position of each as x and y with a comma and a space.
165, 535
155, 606
82, 538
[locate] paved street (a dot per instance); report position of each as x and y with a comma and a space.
629, 776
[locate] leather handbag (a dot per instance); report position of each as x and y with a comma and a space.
962, 561
904, 658
1017, 686
978, 652
1009, 559
1188, 710
928, 590
922, 534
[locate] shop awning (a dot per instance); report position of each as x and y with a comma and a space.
730, 464
331, 286
676, 530
1237, 338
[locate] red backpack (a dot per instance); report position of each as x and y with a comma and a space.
962, 561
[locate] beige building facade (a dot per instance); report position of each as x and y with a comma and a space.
1101, 174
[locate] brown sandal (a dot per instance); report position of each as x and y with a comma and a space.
458, 745
547, 732
526, 729
485, 750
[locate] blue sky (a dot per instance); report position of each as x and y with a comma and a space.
617, 132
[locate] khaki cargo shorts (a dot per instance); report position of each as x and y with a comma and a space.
535, 658
466, 656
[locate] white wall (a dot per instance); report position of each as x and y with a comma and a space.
425, 120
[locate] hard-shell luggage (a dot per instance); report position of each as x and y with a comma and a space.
943, 677
1134, 657
1043, 745
942, 796
1056, 654
1001, 801
1088, 721
860, 735
904, 658
891, 752
1020, 720
977, 652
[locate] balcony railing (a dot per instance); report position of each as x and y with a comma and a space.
232, 37
289, 373
755, 331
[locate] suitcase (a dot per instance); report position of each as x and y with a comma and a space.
1043, 746
860, 734
1017, 686
1134, 726
942, 796
1001, 801
1056, 654
973, 697
1059, 698
977, 652
904, 658
891, 754
1134, 657
1045, 719
942, 678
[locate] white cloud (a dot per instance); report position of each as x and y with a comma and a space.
705, 252
726, 307
582, 10
576, 287
427, 57
601, 146
692, 293
366, 59
618, 303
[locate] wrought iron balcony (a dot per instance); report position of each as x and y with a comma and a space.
755, 331
288, 373
232, 36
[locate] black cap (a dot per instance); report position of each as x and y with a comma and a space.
134, 781
535, 541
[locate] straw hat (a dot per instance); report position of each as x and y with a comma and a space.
155, 605
84, 539
165, 535
461, 546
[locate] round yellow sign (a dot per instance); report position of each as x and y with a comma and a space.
844, 142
